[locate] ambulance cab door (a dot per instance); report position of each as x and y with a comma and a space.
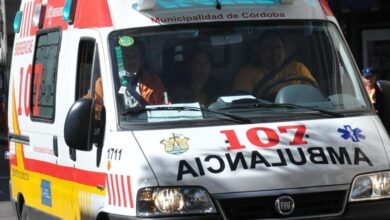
51, 176
89, 181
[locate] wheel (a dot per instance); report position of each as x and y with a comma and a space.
260, 91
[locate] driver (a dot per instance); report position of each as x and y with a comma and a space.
260, 77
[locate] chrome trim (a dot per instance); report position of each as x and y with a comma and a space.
250, 194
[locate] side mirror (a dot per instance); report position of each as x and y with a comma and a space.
79, 125
382, 97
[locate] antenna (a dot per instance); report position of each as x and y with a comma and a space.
218, 5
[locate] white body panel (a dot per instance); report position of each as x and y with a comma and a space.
206, 141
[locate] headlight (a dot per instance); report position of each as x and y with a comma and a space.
159, 201
370, 187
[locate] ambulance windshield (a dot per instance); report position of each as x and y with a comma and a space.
246, 69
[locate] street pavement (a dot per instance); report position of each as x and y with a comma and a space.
4, 175
7, 212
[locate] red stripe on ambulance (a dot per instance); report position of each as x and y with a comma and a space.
119, 187
108, 191
123, 192
129, 192
29, 19
113, 189
86, 14
118, 190
23, 21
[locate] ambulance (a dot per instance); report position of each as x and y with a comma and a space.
161, 109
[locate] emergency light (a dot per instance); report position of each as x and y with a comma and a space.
69, 10
143, 5
287, 1
17, 21
39, 15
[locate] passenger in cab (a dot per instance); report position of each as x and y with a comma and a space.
271, 71
196, 85
147, 86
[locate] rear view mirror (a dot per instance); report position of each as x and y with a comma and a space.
78, 129
382, 96
227, 39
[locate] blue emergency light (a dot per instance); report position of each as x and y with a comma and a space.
69, 10
17, 21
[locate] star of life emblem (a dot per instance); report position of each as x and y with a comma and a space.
353, 134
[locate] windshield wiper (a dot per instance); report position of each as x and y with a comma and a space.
282, 105
136, 111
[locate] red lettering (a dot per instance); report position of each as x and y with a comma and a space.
27, 91
232, 139
299, 133
253, 137
266, 137
37, 83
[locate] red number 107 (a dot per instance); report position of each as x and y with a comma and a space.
25, 89
271, 136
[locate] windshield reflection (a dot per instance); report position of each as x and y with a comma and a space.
216, 66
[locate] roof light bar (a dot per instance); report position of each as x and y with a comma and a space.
39, 15
287, 1
143, 5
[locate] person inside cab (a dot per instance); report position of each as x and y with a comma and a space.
146, 87
196, 85
271, 71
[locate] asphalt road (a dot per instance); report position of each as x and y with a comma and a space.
4, 188
6, 210
4, 175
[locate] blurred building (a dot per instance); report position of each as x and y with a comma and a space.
7, 14
366, 26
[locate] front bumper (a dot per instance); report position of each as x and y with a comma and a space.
200, 217
378, 210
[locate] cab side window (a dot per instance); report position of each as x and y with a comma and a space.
84, 67
44, 76
89, 83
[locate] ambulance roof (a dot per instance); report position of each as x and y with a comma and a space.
121, 14
130, 13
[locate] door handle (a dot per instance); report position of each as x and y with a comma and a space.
55, 146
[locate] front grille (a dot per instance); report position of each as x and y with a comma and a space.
306, 204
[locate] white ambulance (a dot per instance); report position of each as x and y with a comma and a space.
192, 109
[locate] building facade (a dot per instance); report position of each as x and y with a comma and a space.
366, 26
